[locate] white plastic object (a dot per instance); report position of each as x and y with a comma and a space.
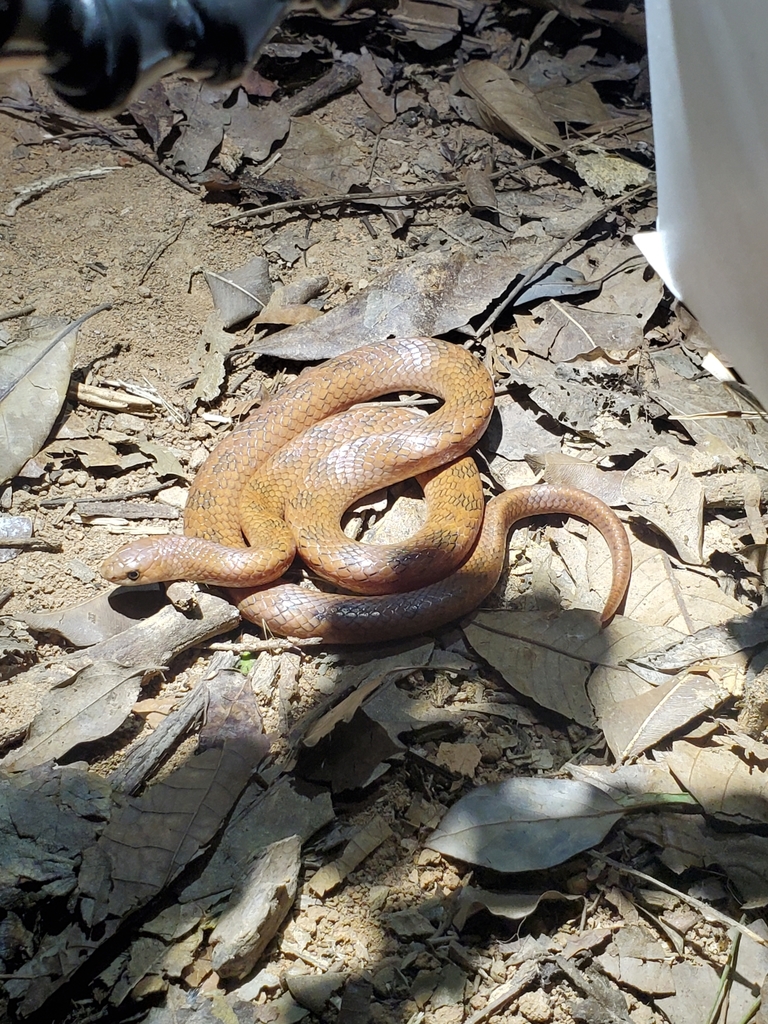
709, 93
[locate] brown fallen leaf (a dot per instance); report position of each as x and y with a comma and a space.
425, 295
723, 783
461, 758
507, 106
637, 724
661, 592
575, 103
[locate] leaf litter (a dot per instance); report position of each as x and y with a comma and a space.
195, 832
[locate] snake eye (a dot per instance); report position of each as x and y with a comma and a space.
133, 574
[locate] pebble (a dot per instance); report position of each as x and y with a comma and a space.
129, 423
535, 1007
196, 459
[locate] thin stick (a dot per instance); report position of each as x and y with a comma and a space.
30, 543
11, 314
406, 193
700, 905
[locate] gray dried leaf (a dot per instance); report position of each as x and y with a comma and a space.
257, 908
706, 644
711, 414
662, 489
134, 859
480, 191
556, 281
562, 332
166, 463
203, 128
429, 25
548, 659
515, 906
34, 377
213, 347
259, 819
102, 617
687, 841
525, 824
94, 704
255, 130
239, 294
13, 528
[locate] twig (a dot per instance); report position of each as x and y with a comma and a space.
275, 643
726, 980
161, 247
38, 188
700, 905
533, 272
144, 492
30, 543
104, 398
11, 314
405, 193
523, 977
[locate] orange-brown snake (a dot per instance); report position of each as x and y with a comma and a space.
286, 475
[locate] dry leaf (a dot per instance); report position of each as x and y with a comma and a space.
515, 906
34, 377
663, 593
637, 724
426, 295
525, 824
723, 783
102, 617
94, 704
577, 103
610, 175
507, 106
257, 908
241, 293
662, 489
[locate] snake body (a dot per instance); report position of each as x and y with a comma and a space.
285, 476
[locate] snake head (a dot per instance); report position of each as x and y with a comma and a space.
135, 563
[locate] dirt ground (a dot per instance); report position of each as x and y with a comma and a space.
394, 940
